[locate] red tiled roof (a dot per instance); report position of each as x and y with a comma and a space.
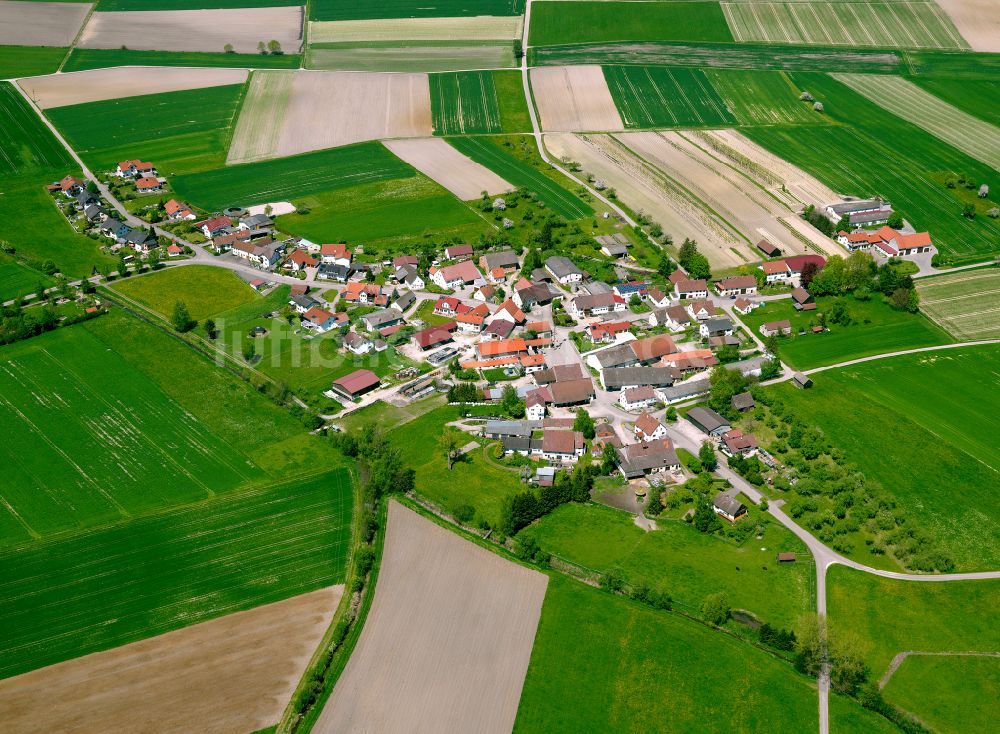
357, 381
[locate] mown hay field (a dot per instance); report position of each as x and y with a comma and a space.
978, 97
763, 97
901, 97
881, 24
82, 59
206, 291
658, 96
569, 21
26, 143
282, 179
191, 132
965, 304
122, 583
947, 692
359, 9
478, 102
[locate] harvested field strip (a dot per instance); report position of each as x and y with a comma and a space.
479, 28
358, 9
464, 102
26, 144
978, 97
40, 23
762, 97
966, 305
462, 176
893, 24
979, 139
234, 673
82, 59
655, 96
282, 179
410, 58
259, 126
574, 99
468, 619
108, 587
519, 173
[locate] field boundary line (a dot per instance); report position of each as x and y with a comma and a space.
900, 657
76, 39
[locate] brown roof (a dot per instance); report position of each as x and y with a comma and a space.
646, 423
571, 391
691, 286
776, 325
562, 442
767, 248
357, 381
653, 347
738, 282
644, 392
433, 335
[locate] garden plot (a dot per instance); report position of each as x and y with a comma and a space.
235, 673
965, 304
477, 28
40, 24
195, 30
901, 97
100, 84
880, 24
977, 20
369, 106
461, 175
447, 642
574, 99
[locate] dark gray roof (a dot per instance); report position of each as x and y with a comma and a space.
685, 390
743, 401
728, 504
304, 301
378, 319
520, 443
503, 259
257, 221
597, 287
617, 377
707, 419
639, 458
561, 266
617, 356
405, 300
508, 428
718, 325
137, 236
846, 207
747, 366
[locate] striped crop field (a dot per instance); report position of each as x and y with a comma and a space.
118, 584
879, 24
965, 304
26, 143
659, 96
464, 102
901, 97
762, 97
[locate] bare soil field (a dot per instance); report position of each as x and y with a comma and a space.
476, 28
977, 20
232, 674
40, 24
195, 30
447, 642
411, 58
574, 99
327, 109
461, 175
100, 84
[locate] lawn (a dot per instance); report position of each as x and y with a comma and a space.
99, 58
951, 694
26, 144
964, 303
471, 102
126, 582
555, 23
944, 472
206, 291
292, 177
763, 97
359, 9
18, 61
192, 130
520, 173
687, 564
659, 96
18, 280
876, 328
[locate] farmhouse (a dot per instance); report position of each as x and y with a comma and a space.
178, 211
401, 260
356, 384
506, 261
738, 285
701, 310
455, 276
216, 226
335, 254
737, 443
559, 373
563, 446
647, 428
708, 421
624, 378
601, 303
640, 459
674, 318
637, 397
728, 507
572, 392
887, 242
458, 252
691, 289
790, 268
563, 270
780, 328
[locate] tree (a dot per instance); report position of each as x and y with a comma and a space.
510, 403
705, 520
689, 248
92, 187
274, 47
153, 259
810, 646
809, 271
518, 49
671, 414
707, 457
122, 265
209, 327
848, 670
609, 459
715, 608
261, 48
583, 423
665, 267
655, 504
969, 211
181, 319
905, 299
984, 191
895, 220
228, 48
450, 442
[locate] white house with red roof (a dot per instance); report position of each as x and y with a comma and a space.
178, 211
455, 276
318, 319
215, 226
647, 428
133, 168
337, 254
691, 289
147, 184
887, 242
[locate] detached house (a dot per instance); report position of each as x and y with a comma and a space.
337, 254
72, 186
318, 319
457, 252
675, 318
357, 344
216, 226
691, 289
563, 270
728, 507
178, 211
586, 306
654, 457
147, 184
637, 397
407, 275
658, 298
300, 260
720, 326
701, 310
779, 328
647, 428
455, 276
738, 285
133, 169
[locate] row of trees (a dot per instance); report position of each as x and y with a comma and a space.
522, 508
858, 274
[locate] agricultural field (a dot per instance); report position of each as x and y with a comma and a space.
568, 21
283, 179
234, 673
191, 133
111, 5
448, 616
482, 28
658, 96
122, 583
686, 563
901, 97
82, 59
196, 30
520, 173
945, 471
965, 304
18, 61
574, 98
875, 328
471, 102
890, 24
977, 97
762, 97
412, 57
206, 291
40, 23
27, 144
462, 176
19, 280
360, 9
950, 693
977, 20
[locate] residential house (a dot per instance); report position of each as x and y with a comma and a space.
85, 199
637, 397
654, 457
457, 252
400, 260
675, 318
647, 428
720, 326
802, 300
473, 320
728, 507
319, 319
114, 228
691, 289
256, 222
607, 332
744, 306
357, 344
382, 318
177, 211
147, 185
447, 306
134, 168
535, 294
499, 264
434, 336
701, 310
302, 303
508, 311
216, 226
629, 289
485, 293
300, 260
708, 421
356, 384
780, 328
95, 213
535, 402
404, 301
264, 256
887, 242
563, 270
737, 443
658, 298
174, 250
455, 276
338, 273
587, 306
562, 446
737, 285
139, 240
335, 254
789, 269
539, 328
362, 293
407, 275
71, 186
498, 329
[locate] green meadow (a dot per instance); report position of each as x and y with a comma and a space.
950, 694
658, 96
473, 102
82, 59
978, 97
18, 61
763, 97
360, 9
18, 280
206, 291
26, 145
554, 23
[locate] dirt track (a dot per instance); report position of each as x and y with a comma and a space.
40, 24
232, 675
574, 99
446, 644
461, 175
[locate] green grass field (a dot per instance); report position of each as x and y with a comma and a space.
657, 96
292, 177
470, 102
950, 694
944, 472
26, 144
762, 97
122, 583
359, 9
18, 61
869, 151
191, 133
687, 564
206, 291
18, 280
965, 304
519, 173
977, 97
554, 23
99, 58
876, 328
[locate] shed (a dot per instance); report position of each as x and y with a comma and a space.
743, 402
708, 421
800, 380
